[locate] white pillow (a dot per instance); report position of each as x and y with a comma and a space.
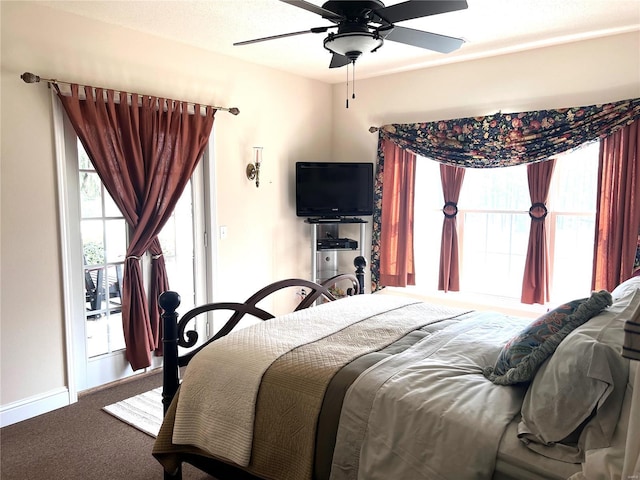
586, 374
625, 287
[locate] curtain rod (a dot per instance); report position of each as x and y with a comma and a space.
29, 77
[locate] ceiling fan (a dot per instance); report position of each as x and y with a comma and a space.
364, 25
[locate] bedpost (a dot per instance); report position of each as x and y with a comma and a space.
169, 301
360, 262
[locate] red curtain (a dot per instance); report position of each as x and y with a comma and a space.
397, 268
535, 284
159, 284
144, 149
618, 207
449, 274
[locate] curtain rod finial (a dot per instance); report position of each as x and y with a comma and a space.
29, 77
373, 129
234, 111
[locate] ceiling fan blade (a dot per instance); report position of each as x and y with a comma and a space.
310, 7
428, 40
284, 35
338, 61
419, 8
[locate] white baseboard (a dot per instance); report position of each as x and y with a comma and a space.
33, 406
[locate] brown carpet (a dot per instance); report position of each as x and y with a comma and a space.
83, 442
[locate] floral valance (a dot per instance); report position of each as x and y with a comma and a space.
502, 140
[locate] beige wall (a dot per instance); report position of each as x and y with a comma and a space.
292, 118
289, 116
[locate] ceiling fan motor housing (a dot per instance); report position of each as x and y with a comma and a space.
356, 10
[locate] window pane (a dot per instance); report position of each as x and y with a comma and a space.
576, 172
116, 332
177, 240
92, 242
90, 195
116, 235
428, 191
110, 207
97, 334
573, 257
94, 288
495, 189
114, 283
428, 222
427, 238
493, 253
83, 159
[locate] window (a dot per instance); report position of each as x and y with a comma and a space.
493, 226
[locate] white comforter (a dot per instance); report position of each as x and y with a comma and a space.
429, 413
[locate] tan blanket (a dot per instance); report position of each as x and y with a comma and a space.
293, 388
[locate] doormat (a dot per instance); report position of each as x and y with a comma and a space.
143, 411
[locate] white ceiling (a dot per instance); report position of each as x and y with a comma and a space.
489, 27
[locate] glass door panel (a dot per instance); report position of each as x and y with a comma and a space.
104, 238
177, 241
116, 240
90, 194
104, 243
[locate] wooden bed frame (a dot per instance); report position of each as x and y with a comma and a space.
176, 334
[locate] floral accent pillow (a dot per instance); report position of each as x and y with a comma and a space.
523, 354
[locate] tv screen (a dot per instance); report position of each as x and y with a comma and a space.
334, 189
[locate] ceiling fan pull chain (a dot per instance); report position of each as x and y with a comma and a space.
353, 82
347, 100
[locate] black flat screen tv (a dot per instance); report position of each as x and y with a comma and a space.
334, 189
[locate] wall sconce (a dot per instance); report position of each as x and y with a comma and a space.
253, 169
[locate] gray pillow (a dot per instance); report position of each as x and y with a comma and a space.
523, 354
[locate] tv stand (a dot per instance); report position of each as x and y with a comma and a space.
335, 220
324, 260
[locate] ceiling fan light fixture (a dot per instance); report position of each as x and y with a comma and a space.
352, 44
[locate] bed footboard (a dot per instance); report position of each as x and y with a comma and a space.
176, 333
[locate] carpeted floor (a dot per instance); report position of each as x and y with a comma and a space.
84, 442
